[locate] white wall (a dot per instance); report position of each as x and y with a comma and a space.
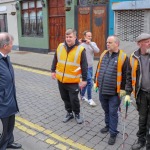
7, 8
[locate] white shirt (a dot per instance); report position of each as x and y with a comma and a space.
3, 54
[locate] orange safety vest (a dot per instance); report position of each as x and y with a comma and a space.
68, 63
121, 58
134, 65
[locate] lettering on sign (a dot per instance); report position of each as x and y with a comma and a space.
98, 11
84, 10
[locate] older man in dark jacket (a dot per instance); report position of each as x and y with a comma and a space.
138, 82
8, 103
111, 78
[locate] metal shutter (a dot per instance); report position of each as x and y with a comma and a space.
130, 23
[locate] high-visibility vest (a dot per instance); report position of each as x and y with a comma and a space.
68, 63
134, 65
121, 58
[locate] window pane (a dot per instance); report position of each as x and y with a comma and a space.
40, 23
38, 4
25, 5
33, 23
25, 24
31, 4
3, 23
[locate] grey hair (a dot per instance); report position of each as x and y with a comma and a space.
117, 40
5, 39
69, 31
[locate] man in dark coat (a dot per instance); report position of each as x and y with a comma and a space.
8, 103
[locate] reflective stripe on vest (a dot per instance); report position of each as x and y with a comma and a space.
121, 59
68, 63
134, 65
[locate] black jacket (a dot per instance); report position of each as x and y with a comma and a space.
83, 63
128, 87
107, 79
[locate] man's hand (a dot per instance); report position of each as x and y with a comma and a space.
122, 93
127, 100
82, 84
53, 75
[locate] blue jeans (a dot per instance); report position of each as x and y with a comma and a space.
89, 84
110, 105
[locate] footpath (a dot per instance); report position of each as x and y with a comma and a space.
43, 62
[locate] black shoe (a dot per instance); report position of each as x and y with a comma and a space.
68, 117
14, 146
138, 145
112, 140
78, 119
104, 130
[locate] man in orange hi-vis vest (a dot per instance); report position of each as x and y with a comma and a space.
68, 65
138, 82
110, 79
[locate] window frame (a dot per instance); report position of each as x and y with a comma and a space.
5, 22
29, 10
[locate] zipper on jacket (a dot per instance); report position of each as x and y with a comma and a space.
64, 67
102, 81
140, 77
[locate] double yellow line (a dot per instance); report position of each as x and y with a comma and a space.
32, 129
54, 139
32, 70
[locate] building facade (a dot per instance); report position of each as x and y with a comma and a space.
8, 19
131, 18
41, 24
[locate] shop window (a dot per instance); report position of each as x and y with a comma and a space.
3, 23
32, 18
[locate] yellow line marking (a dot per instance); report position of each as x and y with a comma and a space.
25, 129
53, 135
61, 146
51, 142
32, 70
30, 124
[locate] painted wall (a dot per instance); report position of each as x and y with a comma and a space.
70, 15
35, 42
111, 16
6, 7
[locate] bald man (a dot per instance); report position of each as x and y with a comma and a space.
111, 79
8, 102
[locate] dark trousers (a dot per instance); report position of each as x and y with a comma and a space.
110, 105
7, 137
143, 103
69, 94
